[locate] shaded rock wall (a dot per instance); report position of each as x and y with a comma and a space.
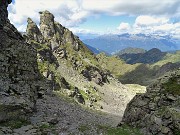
18, 71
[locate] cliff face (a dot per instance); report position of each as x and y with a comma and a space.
56, 44
18, 71
4, 12
157, 111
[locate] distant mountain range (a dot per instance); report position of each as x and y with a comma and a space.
113, 43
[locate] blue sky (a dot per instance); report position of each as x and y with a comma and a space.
104, 23
103, 16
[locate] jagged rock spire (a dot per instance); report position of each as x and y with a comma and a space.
33, 31
47, 26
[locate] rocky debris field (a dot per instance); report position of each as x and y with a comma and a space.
55, 115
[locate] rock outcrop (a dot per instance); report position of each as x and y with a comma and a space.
33, 31
158, 110
54, 42
19, 73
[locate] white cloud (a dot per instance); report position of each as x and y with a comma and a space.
133, 7
68, 13
74, 12
145, 20
152, 25
124, 27
84, 31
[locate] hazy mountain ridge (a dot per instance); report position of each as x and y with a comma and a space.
130, 50
153, 69
113, 43
152, 56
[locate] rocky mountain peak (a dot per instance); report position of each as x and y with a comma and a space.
33, 31
47, 26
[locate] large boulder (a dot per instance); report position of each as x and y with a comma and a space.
158, 110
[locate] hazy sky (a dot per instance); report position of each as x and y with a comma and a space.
103, 16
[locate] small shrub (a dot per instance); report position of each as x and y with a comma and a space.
83, 128
14, 124
172, 86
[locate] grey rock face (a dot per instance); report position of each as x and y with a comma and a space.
18, 72
33, 31
47, 26
94, 74
55, 33
158, 110
3, 12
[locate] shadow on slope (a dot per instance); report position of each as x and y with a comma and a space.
146, 74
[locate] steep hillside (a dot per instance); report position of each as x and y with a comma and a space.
157, 111
62, 57
169, 57
147, 73
113, 43
152, 56
115, 65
